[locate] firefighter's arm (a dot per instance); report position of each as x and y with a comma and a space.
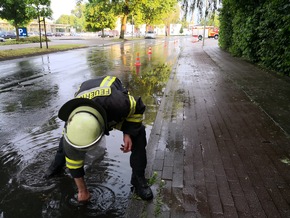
76, 169
83, 193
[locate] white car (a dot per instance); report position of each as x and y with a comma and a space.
150, 35
2, 39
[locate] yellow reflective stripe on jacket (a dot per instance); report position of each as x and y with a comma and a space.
135, 118
132, 105
108, 81
73, 164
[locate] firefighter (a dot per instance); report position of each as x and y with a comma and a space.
100, 105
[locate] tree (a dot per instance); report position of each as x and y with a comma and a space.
65, 19
189, 6
76, 19
155, 11
171, 17
124, 8
20, 12
79, 13
100, 15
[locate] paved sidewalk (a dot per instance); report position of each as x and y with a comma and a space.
220, 140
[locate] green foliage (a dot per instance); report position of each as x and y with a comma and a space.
21, 12
79, 13
100, 15
274, 32
31, 39
154, 11
65, 19
226, 25
172, 16
245, 36
258, 31
10, 54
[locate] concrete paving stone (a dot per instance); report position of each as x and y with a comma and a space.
254, 204
168, 159
212, 188
231, 174
209, 174
158, 165
160, 154
235, 187
177, 180
219, 169
230, 211
167, 173
241, 204
189, 196
267, 202
215, 205
224, 191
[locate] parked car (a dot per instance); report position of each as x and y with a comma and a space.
58, 34
150, 35
48, 34
7, 35
2, 39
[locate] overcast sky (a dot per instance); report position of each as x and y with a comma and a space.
60, 7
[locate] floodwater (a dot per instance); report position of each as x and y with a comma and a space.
33, 89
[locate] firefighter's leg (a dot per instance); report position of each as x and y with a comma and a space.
138, 162
58, 163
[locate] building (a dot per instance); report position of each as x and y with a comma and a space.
33, 27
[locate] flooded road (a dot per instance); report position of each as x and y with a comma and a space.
33, 89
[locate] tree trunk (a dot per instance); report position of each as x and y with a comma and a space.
123, 26
17, 32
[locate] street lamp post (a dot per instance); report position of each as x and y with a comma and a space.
132, 26
205, 15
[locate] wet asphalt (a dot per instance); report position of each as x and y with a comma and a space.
220, 142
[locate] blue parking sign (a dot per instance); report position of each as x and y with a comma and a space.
22, 31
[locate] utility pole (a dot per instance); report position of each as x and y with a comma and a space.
205, 15
132, 26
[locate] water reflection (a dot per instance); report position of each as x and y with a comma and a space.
30, 129
22, 70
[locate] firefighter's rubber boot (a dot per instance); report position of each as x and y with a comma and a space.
53, 170
141, 187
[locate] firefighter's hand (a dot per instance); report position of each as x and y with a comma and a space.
84, 196
83, 193
127, 146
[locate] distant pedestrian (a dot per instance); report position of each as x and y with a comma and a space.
100, 105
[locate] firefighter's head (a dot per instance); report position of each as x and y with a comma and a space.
85, 123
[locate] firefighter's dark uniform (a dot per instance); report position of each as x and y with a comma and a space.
124, 112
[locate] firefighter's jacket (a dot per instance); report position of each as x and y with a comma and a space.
124, 112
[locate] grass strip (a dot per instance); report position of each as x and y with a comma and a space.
16, 53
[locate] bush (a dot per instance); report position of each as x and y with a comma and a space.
26, 40
258, 31
274, 31
32, 39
